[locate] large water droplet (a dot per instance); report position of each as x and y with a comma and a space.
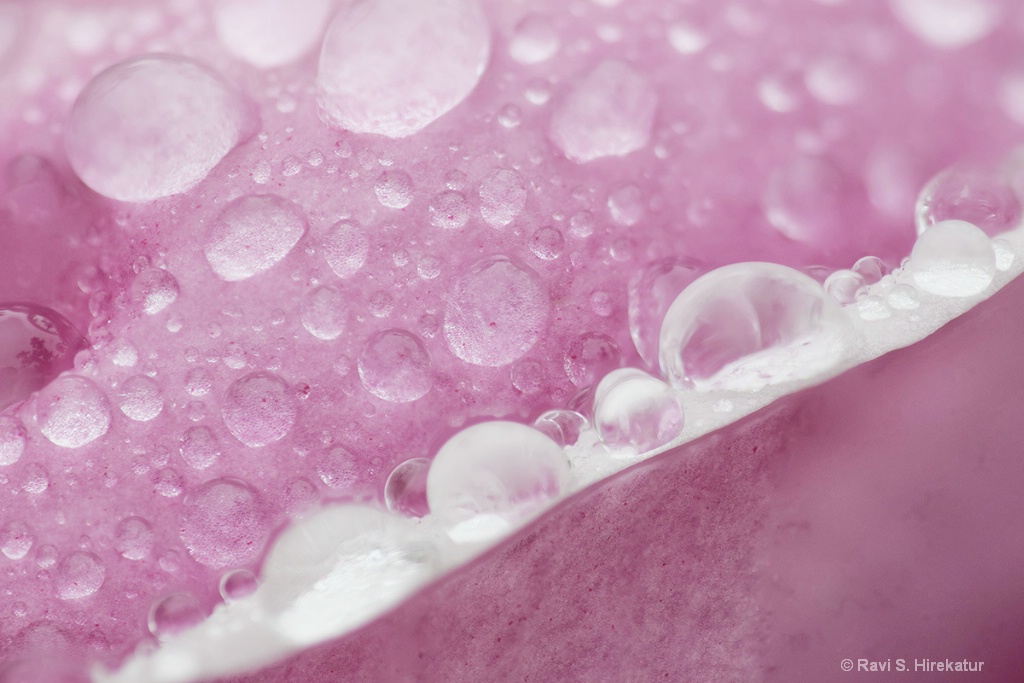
269, 33
140, 398
252, 234
79, 575
534, 40
744, 326
15, 540
496, 313
651, 291
492, 476
12, 440
324, 313
502, 197
72, 411
345, 248
953, 258
607, 112
152, 127
222, 524
36, 345
134, 538
153, 290
405, 491
948, 23
635, 411
395, 366
173, 614
259, 409
979, 196
365, 85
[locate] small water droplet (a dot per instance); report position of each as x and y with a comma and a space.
324, 313
133, 538
237, 585
534, 40
12, 440
635, 411
953, 258
140, 398
79, 575
405, 491
153, 290
972, 194
72, 411
345, 248
502, 197
223, 524
394, 189
395, 366
174, 614
547, 243
252, 234
15, 540
259, 409
589, 357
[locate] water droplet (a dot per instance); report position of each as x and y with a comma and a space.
449, 210
510, 116
626, 205
970, 194
686, 38
547, 243
12, 440
345, 248
152, 126
394, 189
635, 411
199, 447
561, 426
366, 86
35, 479
380, 304
72, 411
494, 475
747, 325
781, 91
953, 258
581, 224
903, 297
339, 468
534, 40
168, 483
324, 313
873, 307
223, 524
806, 201
429, 267
134, 538
835, 80
405, 491
36, 345
601, 303
173, 614
79, 575
153, 290
259, 409
843, 286
198, 382
237, 585
1004, 261
496, 313
123, 353
15, 540
269, 33
140, 398
607, 112
871, 268
948, 23
527, 376
590, 356
502, 197
300, 496
538, 92
395, 366
252, 234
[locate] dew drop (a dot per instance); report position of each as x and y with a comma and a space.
686, 38
608, 112
405, 491
366, 86
15, 540
339, 468
133, 538
238, 584
635, 411
79, 575
222, 524
324, 313
1004, 261
496, 313
269, 33
835, 80
590, 356
168, 483
252, 234
140, 398
534, 40
35, 479
345, 248
72, 411
626, 205
970, 194
510, 116
173, 614
561, 426
948, 23
449, 210
395, 366
871, 268
198, 382
502, 197
153, 290
12, 440
805, 200
429, 267
259, 409
954, 259
903, 297
547, 243
527, 376
747, 325
199, 447
36, 345
152, 126
843, 286
394, 189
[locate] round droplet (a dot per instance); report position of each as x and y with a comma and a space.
954, 259
527, 376
581, 224
238, 584
405, 491
36, 345
871, 268
35, 479
635, 411
72, 411
324, 313
199, 447
547, 243
133, 538
339, 468
168, 483
300, 496
510, 116
140, 398
903, 297
496, 313
153, 290
589, 357
608, 112
174, 614
651, 291
429, 267
534, 40
626, 205
748, 325
222, 524
252, 234
502, 197
449, 210
561, 426
269, 33
494, 475
835, 80
1004, 257
12, 440
79, 575
975, 195
366, 86
395, 366
152, 127
345, 248
686, 38
948, 23
394, 189
259, 409
198, 382
808, 199
15, 540
843, 286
